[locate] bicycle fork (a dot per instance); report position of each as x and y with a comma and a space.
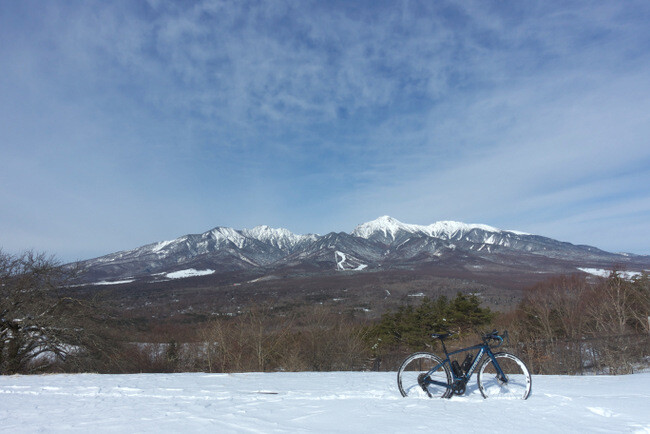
501, 376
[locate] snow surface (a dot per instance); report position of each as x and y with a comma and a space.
225, 235
114, 282
341, 402
190, 272
157, 248
629, 275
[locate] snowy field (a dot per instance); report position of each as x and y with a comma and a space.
342, 402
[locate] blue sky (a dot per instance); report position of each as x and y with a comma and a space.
128, 122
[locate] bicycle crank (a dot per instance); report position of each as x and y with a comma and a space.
458, 387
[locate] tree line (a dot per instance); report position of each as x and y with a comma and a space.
569, 325
564, 325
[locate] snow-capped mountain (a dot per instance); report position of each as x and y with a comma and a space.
281, 238
389, 230
379, 244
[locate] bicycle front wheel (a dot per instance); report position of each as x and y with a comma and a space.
515, 383
424, 375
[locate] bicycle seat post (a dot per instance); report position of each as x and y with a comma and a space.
444, 348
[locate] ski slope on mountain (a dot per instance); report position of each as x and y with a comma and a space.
342, 402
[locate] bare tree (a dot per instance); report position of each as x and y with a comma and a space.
262, 339
39, 328
641, 302
568, 325
266, 334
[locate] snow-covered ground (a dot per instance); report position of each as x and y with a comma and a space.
629, 275
114, 282
351, 402
190, 272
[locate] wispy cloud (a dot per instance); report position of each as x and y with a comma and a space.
124, 123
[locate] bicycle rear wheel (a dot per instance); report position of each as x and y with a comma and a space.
515, 385
412, 378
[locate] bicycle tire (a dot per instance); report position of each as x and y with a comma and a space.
414, 367
518, 384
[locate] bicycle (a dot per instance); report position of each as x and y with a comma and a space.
499, 375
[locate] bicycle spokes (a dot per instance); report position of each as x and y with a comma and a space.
424, 375
509, 380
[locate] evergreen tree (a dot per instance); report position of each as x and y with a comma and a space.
410, 327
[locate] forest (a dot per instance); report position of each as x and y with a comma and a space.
564, 325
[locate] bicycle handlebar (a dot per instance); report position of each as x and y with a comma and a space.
490, 336
495, 336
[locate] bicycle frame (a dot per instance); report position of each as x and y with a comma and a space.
484, 349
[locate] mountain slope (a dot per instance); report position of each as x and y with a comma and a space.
379, 244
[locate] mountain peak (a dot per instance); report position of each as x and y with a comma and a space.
450, 227
389, 227
379, 243
265, 232
386, 225
279, 237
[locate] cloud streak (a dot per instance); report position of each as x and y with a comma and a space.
126, 123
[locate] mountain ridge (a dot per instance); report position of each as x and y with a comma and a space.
382, 243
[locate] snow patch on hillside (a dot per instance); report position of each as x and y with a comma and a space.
190, 272
628, 275
114, 282
161, 246
225, 235
518, 233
